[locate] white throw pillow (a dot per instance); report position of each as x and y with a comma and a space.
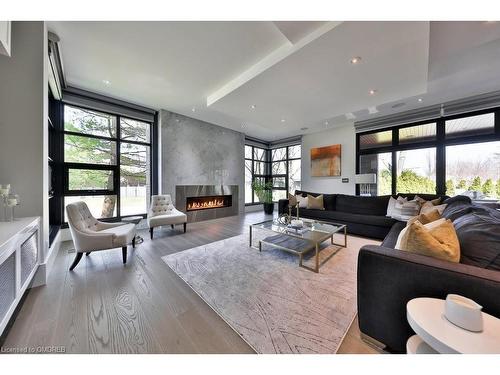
392, 204
429, 226
405, 210
302, 201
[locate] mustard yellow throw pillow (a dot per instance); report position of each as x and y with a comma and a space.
428, 207
315, 203
437, 240
426, 218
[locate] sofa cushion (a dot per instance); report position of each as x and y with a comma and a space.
479, 237
456, 207
362, 205
392, 237
381, 221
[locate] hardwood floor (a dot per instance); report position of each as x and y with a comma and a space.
144, 307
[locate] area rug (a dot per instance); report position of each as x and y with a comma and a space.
272, 303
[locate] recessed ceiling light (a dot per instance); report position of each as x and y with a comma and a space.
106, 82
193, 109
243, 126
356, 60
372, 92
253, 106
283, 120
420, 100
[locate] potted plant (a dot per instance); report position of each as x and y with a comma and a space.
263, 191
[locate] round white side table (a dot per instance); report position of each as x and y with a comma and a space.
426, 318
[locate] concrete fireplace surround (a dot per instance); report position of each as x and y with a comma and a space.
195, 152
182, 192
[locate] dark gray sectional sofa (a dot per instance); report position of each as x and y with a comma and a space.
364, 216
388, 278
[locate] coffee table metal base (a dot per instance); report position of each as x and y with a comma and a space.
298, 246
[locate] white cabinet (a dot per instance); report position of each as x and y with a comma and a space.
5, 30
19, 260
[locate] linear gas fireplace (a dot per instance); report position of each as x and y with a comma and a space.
208, 202
205, 202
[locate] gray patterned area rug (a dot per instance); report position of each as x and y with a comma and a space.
272, 303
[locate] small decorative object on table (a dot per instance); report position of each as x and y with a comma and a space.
12, 201
4, 193
463, 312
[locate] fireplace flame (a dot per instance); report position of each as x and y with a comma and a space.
209, 203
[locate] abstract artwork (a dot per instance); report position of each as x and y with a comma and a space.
325, 161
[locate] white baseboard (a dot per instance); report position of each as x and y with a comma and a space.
44, 269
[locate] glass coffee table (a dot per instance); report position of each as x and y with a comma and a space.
299, 242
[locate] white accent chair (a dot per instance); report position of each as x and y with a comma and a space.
90, 235
162, 212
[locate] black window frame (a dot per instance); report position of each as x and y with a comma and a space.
265, 176
439, 143
66, 166
287, 159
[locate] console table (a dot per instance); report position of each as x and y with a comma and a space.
19, 260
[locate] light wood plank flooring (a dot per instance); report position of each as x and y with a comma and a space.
104, 307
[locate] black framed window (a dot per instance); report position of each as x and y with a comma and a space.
106, 162
450, 155
281, 165
285, 170
256, 168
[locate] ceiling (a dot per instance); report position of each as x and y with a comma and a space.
272, 80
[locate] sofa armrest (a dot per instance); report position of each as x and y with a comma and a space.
389, 278
282, 206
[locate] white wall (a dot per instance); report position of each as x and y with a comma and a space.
346, 137
5, 32
23, 121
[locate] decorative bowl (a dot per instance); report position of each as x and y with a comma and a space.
463, 312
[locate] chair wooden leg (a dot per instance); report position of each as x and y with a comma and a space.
172, 226
133, 242
76, 261
151, 232
124, 254
184, 227
87, 253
